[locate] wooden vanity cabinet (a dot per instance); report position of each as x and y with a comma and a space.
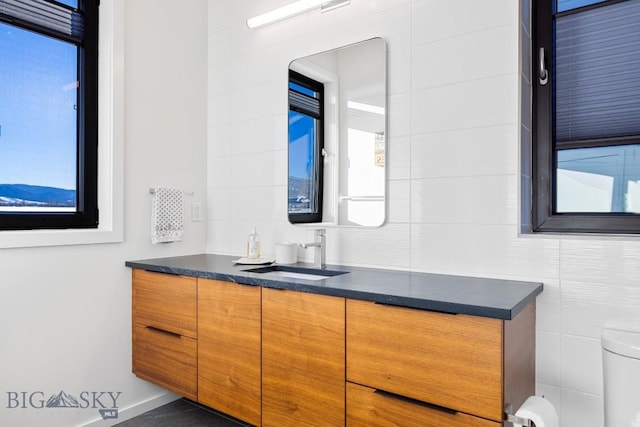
423, 368
164, 331
303, 352
229, 348
279, 358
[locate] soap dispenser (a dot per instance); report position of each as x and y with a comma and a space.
253, 245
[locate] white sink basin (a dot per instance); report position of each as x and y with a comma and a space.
281, 271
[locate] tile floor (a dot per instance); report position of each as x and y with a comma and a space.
181, 413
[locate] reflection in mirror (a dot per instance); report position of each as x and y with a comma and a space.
306, 144
337, 136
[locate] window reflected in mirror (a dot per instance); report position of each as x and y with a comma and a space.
306, 144
337, 136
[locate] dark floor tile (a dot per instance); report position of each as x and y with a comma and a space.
179, 413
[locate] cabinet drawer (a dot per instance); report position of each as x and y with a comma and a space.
165, 301
453, 361
166, 359
368, 408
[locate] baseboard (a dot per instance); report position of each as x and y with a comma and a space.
134, 410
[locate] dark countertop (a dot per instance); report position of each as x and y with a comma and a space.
501, 299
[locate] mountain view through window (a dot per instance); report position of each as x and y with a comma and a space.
38, 121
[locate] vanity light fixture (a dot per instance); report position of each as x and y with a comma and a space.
293, 9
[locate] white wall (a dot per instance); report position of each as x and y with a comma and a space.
65, 312
453, 159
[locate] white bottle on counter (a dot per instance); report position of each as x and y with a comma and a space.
253, 245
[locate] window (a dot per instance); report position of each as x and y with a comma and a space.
586, 104
306, 144
48, 114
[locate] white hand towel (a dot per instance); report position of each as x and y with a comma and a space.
167, 222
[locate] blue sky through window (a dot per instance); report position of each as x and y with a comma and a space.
301, 145
564, 5
302, 140
303, 89
72, 3
38, 96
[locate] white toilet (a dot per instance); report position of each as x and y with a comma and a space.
621, 368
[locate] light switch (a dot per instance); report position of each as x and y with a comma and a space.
196, 211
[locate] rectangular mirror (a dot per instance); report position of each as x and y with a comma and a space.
337, 136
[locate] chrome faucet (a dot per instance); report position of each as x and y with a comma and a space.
319, 246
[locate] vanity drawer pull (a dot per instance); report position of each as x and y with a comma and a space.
389, 304
162, 331
248, 285
415, 401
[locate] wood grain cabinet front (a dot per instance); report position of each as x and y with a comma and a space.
165, 359
303, 376
164, 331
458, 362
280, 358
229, 348
367, 407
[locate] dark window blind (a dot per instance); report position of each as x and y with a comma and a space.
597, 73
304, 104
48, 17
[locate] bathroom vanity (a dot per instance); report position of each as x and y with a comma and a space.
363, 347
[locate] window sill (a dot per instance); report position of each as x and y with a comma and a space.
577, 236
42, 238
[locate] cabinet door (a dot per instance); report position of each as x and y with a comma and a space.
165, 359
303, 351
165, 301
453, 361
229, 348
367, 407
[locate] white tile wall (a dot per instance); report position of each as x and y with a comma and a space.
475, 104
486, 200
581, 409
601, 261
399, 150
437, 20
579, 356
399, 196
487, 53
548, 360
478, 152
549, 309
453, 168
399, 124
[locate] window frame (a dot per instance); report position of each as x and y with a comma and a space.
316, 215
543, 173
86, 215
